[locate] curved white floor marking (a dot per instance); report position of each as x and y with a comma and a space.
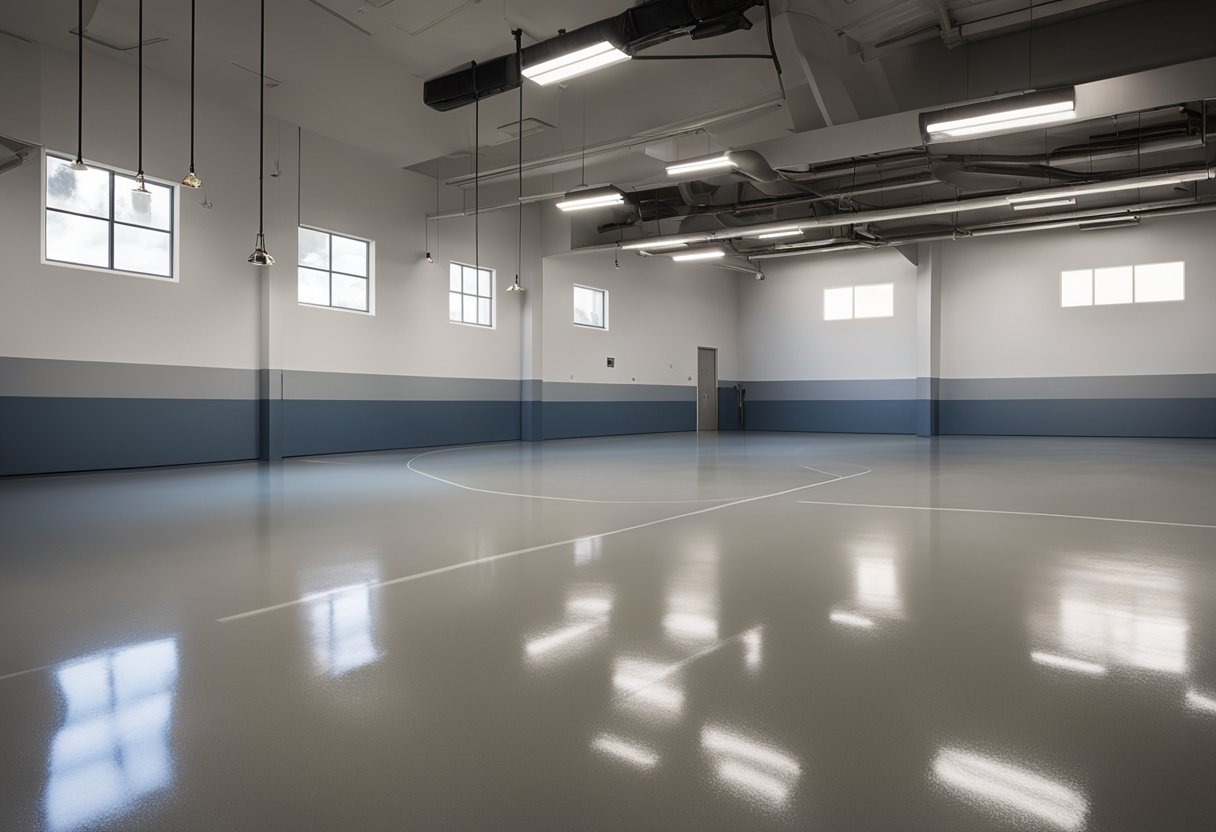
410, 465
430, 573
1019, 513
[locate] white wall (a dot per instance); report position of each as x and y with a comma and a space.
783, 336
210, 316
659, 312
1001, 314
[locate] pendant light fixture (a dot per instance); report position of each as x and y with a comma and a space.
79, 163
519, 245
142, 197
476, 173
260, 256
426, 221
191, 179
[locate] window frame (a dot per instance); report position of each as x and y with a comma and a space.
1093, 285
174, 275
370, 278
493, 298
853, 303
604, 292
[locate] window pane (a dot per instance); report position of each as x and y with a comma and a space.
454, 280
1159, 282
875, 301
454, 304
470, 309
350, 292
1077, 288
838, 304
73, 239
583, 306
350, 256
143, 250
153, 210
85, 192
314, 249
483, 311
601, 316
1113, 285
470, 281
483, 284
313, 287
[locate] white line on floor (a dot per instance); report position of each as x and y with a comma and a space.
1019, 513
318, 461
410, 465
430, 573
25, 672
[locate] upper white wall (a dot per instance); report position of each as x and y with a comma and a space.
659, 312
1001, 313
782, 333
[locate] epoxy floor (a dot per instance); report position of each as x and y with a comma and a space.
674, 632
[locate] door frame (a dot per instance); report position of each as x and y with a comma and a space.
698, 386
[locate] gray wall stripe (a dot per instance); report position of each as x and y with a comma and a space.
300, 385
53, 378
831, 390
1196, 386
573, 391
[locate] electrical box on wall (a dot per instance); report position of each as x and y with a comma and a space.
611, 362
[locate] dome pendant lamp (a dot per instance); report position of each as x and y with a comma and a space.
260, 256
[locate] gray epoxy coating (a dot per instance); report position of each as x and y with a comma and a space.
424, 656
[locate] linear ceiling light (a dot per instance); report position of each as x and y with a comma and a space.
592, 198
1003, 115
574, 63
1049, 203
779, 233
702, 254
651, 245
717, 162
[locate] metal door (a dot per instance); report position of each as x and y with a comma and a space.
707, 388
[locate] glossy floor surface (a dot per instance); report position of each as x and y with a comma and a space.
676, 632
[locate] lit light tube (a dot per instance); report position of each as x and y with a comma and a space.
778, 233
591, 198
704, 254
574, 63
1050, 203
1004, 115
653, 245
721, 161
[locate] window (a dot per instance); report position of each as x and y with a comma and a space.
470, 295
874, 300
96, 220
590, 307
334, 271
1150, 283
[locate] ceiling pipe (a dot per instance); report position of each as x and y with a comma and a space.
924, 210
626, 143
1044, 224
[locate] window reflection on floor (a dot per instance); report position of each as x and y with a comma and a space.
341, 626
113, 747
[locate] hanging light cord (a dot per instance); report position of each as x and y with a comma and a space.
519, 68
476, 176
80, 82
141, 94
192, 39
261, 119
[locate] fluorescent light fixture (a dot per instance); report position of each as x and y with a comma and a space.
1067, 663
1003, 115
1049, 203
655, 245
703, 254
1004, 788
574, 63
592, 198
779, 233
1112, 187
718, 162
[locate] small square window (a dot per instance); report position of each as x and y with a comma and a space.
334, 270
1160, 282
590, 307
470, 295
1113, 285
